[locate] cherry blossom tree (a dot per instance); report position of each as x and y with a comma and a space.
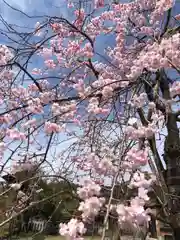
109, 108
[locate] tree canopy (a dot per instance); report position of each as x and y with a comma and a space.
92, 99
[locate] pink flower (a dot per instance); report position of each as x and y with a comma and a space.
46, 97
107, 91
90, 189
136, 158
138, 180
80, 14
132, 121
142, 193
7, 118
16, 186
91, 207
36, 71
99, 3
70, 5
14, 134
35, 106
52, 128
46, 53
177, 17
134, 214
121, 210
73, 229
50, 64
175, 89
152, 105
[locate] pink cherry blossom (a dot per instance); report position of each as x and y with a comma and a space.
177, 17
142, 193
15, 134
99, 3
138, 180
88, 190
52, 127
175, 89
91, 207
73, 229
136, 158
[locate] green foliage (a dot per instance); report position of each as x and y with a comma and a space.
38, 236
58, 208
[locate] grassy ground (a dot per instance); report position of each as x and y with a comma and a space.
57, 238
87, 238
61, 238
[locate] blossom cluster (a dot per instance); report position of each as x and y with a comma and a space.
91, 205
5, 55
135, 158
156, 56
89, 189
138, 180
52, 128
175, 89
135, 213
15, 134
90, 208
93, 107
23, 166
139, 101
68, 110
73, 229
142, 132
103, 166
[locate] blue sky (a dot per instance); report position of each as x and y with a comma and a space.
42, 7
32, 7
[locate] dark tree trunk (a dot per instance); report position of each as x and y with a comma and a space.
114, 230
176, 233
172, 159
152, 227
